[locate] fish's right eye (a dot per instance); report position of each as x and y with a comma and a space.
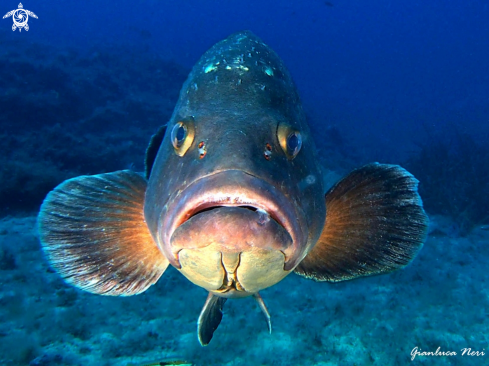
178, 135
182, 136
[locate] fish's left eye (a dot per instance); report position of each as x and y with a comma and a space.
290, 140
182, 136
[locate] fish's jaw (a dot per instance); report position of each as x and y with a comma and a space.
232, 275
233, 188
232, 233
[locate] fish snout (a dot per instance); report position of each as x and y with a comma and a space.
232, 251
232, 233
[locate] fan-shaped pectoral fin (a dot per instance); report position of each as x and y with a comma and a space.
93, 232
375, 223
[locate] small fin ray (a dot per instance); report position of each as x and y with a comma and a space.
375, 223
93, 232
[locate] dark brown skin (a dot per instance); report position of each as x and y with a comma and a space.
238, 101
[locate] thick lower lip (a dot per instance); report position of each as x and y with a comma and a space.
231, 188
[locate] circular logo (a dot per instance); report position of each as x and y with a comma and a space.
20, 18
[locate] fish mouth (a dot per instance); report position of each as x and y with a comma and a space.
239, 194
215, 205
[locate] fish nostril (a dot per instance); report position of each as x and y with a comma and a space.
202, 150
268, 151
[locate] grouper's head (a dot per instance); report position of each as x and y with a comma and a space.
235, 197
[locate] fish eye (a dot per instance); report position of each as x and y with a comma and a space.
182, 136
178, 135
290, 140
294, 143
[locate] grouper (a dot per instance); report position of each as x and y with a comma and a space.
232, 197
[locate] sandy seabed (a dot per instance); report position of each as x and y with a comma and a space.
440, 300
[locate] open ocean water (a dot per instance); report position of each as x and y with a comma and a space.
84, 88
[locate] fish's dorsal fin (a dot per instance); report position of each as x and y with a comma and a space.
152, 149
375, 223
94, 234
210, 317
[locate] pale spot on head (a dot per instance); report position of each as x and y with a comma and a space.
307, 181
238, 59
209, 68
238, 40
310, 179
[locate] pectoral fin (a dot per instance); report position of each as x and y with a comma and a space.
93, 232
375, 223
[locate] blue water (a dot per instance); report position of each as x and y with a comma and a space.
378, 70
84, 88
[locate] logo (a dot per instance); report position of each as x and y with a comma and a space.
20, 17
